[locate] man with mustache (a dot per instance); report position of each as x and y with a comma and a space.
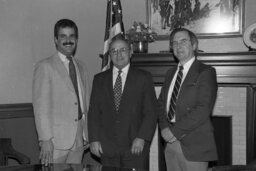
60, 100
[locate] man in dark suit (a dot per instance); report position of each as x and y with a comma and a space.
186, 106
122, 121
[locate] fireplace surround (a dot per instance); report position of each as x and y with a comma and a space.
236, 76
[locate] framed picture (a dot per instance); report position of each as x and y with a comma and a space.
206, 18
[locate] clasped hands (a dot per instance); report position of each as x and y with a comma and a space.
136, 149
168, 135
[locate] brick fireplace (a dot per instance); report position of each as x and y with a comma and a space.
231, 101
236, 75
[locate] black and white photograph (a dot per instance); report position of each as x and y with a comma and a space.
127, 85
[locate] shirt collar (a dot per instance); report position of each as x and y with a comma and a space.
124, 70
63, 57
188, 64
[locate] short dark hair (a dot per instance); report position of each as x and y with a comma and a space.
191, 35
63, 23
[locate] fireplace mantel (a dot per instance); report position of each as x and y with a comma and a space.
233, 69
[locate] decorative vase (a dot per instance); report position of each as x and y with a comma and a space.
140, 47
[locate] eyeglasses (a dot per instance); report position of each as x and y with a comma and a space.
115, 52
182, 42
65, 37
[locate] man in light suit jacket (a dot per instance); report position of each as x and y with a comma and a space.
188, 132
120, 131
60, 106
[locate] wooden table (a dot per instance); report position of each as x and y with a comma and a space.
65, 167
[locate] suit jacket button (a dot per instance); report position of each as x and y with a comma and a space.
76, 103
76, 120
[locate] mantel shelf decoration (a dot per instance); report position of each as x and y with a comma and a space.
139, 35
250, 37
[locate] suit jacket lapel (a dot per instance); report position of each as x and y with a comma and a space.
109, 89
58, 64
128, 87
168, 82
190, 78
82, 81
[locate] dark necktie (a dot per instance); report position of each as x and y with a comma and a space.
174, 96
73, 77
118, 90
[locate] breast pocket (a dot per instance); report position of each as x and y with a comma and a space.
192, 84
189, 93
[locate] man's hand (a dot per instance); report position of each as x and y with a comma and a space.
46, 153
96, 149
137, 146
86, 145
168, 135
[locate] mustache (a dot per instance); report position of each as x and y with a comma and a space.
68, 43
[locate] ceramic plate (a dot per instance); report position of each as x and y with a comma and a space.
250, 36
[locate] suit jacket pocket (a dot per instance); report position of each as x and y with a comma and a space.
192, 84
108, 149
63, 136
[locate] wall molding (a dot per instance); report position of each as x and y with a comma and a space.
17, 110
233, 67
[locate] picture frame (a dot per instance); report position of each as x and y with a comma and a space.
206, 18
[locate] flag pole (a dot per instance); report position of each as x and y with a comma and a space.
110, 36
105, 56
114, 27
111, 7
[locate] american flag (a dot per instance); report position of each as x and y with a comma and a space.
114, 27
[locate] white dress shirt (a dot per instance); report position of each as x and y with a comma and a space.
186, 67
123, 75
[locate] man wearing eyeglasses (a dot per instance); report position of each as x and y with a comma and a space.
122, 113
186, 103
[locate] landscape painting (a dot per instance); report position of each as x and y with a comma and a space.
204, 17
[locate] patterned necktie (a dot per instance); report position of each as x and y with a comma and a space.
73, 77
174, 96
118, 90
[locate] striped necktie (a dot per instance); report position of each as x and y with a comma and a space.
118, 90
174, 96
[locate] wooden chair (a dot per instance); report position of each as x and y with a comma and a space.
8, 152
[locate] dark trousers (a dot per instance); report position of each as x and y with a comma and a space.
126, 159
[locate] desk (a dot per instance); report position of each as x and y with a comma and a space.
234, 168
65, 167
